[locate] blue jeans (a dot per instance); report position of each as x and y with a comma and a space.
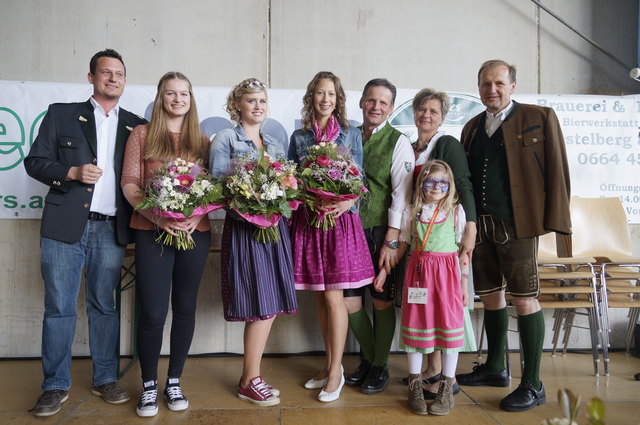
61, 265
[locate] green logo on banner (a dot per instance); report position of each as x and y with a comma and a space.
12, 139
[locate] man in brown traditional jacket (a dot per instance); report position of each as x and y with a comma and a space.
521, 185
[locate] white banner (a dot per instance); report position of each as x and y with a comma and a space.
601, 133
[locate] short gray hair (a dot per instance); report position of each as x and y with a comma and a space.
497, 62
428, 94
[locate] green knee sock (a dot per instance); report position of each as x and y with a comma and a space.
360, 325
384, 332
496, 324
531, 329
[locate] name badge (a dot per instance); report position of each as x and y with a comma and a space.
417, 295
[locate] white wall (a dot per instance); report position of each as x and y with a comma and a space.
414, 43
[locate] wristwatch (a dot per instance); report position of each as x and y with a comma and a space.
394, 244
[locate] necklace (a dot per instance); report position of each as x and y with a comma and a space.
416, 146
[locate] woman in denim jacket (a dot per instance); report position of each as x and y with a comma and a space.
328, 261
257, 278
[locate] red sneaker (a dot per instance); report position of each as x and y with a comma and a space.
274, 391
257, 392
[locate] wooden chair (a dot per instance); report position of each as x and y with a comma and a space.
601, 230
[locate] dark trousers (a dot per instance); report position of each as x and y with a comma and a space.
162, 272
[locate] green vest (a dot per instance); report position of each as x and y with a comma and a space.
378, 153
490, 173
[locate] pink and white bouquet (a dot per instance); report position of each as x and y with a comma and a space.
262, 191
329, 173
180, 189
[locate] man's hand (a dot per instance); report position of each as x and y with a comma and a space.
388, 258
87, 173
468, 241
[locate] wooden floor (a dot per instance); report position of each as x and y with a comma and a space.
209, 383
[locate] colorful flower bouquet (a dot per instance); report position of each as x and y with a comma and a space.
262, 191
180, 189
329, 173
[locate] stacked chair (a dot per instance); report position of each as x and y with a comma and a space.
568, 285
601, 231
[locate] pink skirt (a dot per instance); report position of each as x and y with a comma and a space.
438, 324
333, 259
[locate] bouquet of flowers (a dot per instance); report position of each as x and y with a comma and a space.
329, 173
180, 189
262, 191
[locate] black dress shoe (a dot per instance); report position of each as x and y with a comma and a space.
523, 398
357, 377
428, 381
428, 395
377, 380
481, 375
637, 376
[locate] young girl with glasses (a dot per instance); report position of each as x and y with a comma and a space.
435, 286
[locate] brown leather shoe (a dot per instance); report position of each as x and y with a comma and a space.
111, 392
49, 402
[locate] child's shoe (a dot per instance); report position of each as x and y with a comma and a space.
444, 400
416, 395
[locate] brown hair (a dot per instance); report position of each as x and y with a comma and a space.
159, 144
307, 111
380, 82
106, 53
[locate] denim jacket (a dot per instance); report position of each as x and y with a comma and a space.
301, 140
233, 142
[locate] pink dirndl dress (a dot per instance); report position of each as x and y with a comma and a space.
337, 258
438, 324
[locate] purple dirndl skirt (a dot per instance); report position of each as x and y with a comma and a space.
257, 278
337, 258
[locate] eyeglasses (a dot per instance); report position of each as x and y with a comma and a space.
430, 183
252, 83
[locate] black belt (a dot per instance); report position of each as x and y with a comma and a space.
94, 216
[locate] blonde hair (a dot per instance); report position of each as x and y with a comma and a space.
308, 112
250, 85
450, 199
159, 144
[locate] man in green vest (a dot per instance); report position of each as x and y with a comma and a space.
388, 167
